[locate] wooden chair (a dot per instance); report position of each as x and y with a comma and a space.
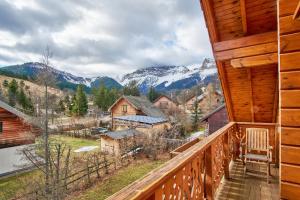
257, 148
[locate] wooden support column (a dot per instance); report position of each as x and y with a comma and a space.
208, 174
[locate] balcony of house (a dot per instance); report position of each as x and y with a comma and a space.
212, 168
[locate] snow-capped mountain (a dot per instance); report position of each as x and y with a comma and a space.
165, 78
63, 79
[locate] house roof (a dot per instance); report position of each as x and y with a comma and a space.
213, 112
142, 119
142, 104
117, 135
20, 114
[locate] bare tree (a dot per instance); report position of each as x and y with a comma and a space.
45, 77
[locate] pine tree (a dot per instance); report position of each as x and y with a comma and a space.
12, 92
22, 99
61, 106
152, 94
81, 105
5, 83
131, 89
195, 115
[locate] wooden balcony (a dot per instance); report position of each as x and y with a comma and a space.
210, 169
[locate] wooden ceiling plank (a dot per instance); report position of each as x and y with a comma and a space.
255, 61
297, 12
246, 41
243, 15
247, 51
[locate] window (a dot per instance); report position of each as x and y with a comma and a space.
164, 104
1, 127
124, 108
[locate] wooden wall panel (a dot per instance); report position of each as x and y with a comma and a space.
290, 173
238, 83
290, 61
290, 191
290, 80
264, 89
289, 43
290, 117
290, 136
290, 98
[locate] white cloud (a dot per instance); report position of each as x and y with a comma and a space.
108, 37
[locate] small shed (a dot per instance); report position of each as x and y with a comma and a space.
114, 142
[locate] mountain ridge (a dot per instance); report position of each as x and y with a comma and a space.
162, 78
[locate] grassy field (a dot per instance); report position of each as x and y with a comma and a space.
76, 143
117, 181
11, 185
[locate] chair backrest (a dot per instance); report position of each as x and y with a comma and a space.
257, 139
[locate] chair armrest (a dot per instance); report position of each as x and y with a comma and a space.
270, 147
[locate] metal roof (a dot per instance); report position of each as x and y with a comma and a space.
142, 119
122, 134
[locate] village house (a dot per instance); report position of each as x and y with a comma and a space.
166, 103
116, 142
215, 119
206, 101
16, 128
137, 112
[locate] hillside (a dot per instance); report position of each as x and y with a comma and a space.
34, 89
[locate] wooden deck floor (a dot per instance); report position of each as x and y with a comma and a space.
246, 186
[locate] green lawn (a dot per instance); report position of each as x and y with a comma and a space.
117, 181
76, 143
11, 185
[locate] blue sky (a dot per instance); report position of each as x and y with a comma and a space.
103, 37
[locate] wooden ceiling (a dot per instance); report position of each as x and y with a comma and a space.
243, 35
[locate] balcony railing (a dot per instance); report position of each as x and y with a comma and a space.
195, 173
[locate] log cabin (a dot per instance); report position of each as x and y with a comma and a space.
256, 45
16, 128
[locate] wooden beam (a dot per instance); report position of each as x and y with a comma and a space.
247, 51
255, 61
246, 41
243, 15
297, 12
226, 90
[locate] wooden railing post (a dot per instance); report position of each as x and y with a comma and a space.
208, 174
226, 155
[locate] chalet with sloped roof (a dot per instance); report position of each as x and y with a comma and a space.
16, 128
136, 112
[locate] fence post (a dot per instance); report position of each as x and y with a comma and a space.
208, 185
